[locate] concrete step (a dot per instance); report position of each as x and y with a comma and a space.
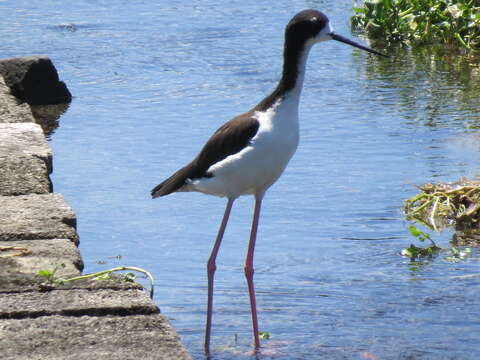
31, 256
44, 216
42, 319
91, 337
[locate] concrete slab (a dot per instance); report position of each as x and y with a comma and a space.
21, 175
13, 282
25, 139
76, 302
23, 283
87, 319
30, 256
30, 217
25, 160
89, 337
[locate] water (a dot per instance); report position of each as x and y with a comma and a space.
151, 81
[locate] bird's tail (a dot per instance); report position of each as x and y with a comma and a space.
173, 183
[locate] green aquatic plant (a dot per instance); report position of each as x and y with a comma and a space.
454, 254
416, 252
440, 205
264, 335
457, 254
454, 23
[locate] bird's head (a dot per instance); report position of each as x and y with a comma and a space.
312, 26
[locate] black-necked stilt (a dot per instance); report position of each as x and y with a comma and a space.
249, 153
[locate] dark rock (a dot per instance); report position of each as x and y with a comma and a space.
10, 110
34, 80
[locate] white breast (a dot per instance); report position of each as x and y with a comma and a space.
260, 164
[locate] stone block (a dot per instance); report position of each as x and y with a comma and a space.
30, 256
90, 337
29, 217
21, 175
76, 302
24, 139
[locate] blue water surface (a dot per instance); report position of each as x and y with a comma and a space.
152, 80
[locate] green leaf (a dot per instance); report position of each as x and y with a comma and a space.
264, 335
459, 38
387, 4
420, 235
359, 10
405, 13
129, 277
414, 231
412, 251
45, 273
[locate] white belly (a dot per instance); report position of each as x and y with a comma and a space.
255, 168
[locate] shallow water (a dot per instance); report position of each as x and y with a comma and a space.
150, 84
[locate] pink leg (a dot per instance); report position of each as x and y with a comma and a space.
249, 269
211, 267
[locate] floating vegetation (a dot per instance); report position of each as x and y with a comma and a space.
264, 335
415, 253
439, 205
453, 23
466, 238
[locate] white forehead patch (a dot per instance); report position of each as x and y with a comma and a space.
324, 34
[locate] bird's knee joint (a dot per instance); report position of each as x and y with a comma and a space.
249, 271
211, 267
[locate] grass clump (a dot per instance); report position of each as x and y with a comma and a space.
452, 23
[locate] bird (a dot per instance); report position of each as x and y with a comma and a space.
247, 154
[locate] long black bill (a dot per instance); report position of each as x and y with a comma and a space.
340, 38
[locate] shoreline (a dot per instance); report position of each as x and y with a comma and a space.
82, 319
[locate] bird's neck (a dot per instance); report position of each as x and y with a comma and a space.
294, 63
291, 83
